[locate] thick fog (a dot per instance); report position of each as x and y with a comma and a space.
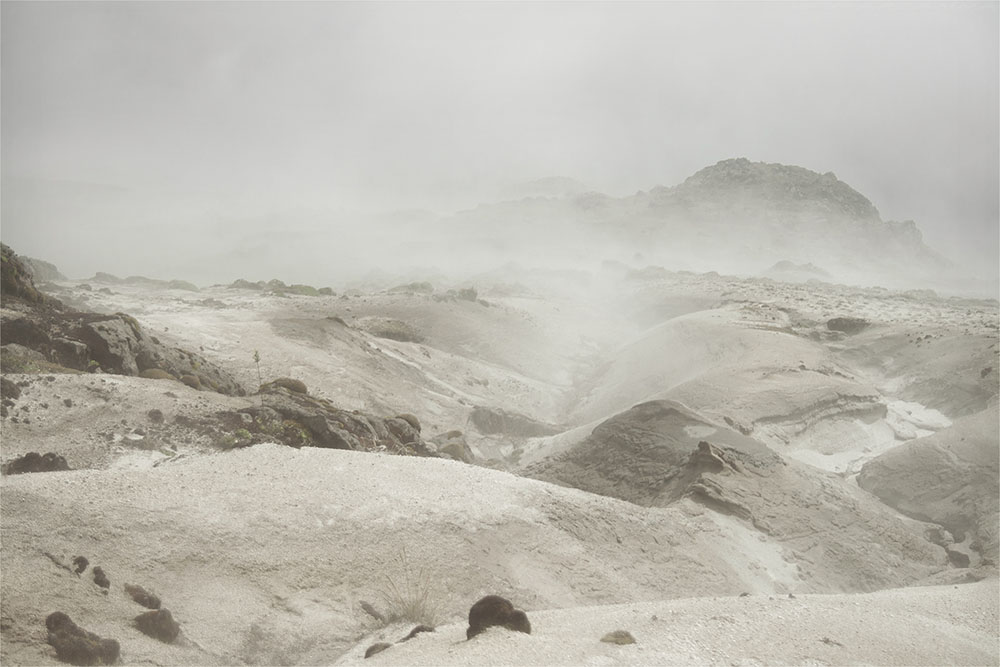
221, 140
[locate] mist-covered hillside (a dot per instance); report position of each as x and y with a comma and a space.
736, 216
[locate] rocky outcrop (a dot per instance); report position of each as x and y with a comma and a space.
42, 270
90, 341
739, 182
453, 445
297, 419
951, 478
16, 279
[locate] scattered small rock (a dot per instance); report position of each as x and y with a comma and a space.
192, 381
376, 648
76, 646
101, 579
155, 416
68, 402
371, 611
8, 389
57, 561
142, 596
618, 637
159, 624
411, 420
416, 631
291, 384
80, 564
494, 610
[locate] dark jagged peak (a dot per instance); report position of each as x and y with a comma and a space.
778, 186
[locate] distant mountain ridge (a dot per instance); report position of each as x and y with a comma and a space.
789, 188
735, 216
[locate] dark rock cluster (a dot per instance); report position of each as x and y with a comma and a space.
298, 419
35, 462
494, 610
77, 646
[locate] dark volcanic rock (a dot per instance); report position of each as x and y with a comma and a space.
8, 389
416, 631
101, 579
494, 610
159, 624
77, 646
376, 648
142, 596
35, 462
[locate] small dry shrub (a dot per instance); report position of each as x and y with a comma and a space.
411, 593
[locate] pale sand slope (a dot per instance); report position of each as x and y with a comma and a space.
268, 551
264, 555
949, 478
945, 625
519, 353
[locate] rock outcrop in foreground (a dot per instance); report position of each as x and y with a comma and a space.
118, 344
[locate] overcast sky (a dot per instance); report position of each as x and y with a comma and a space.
441, 105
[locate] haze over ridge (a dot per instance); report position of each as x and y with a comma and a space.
210, 115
